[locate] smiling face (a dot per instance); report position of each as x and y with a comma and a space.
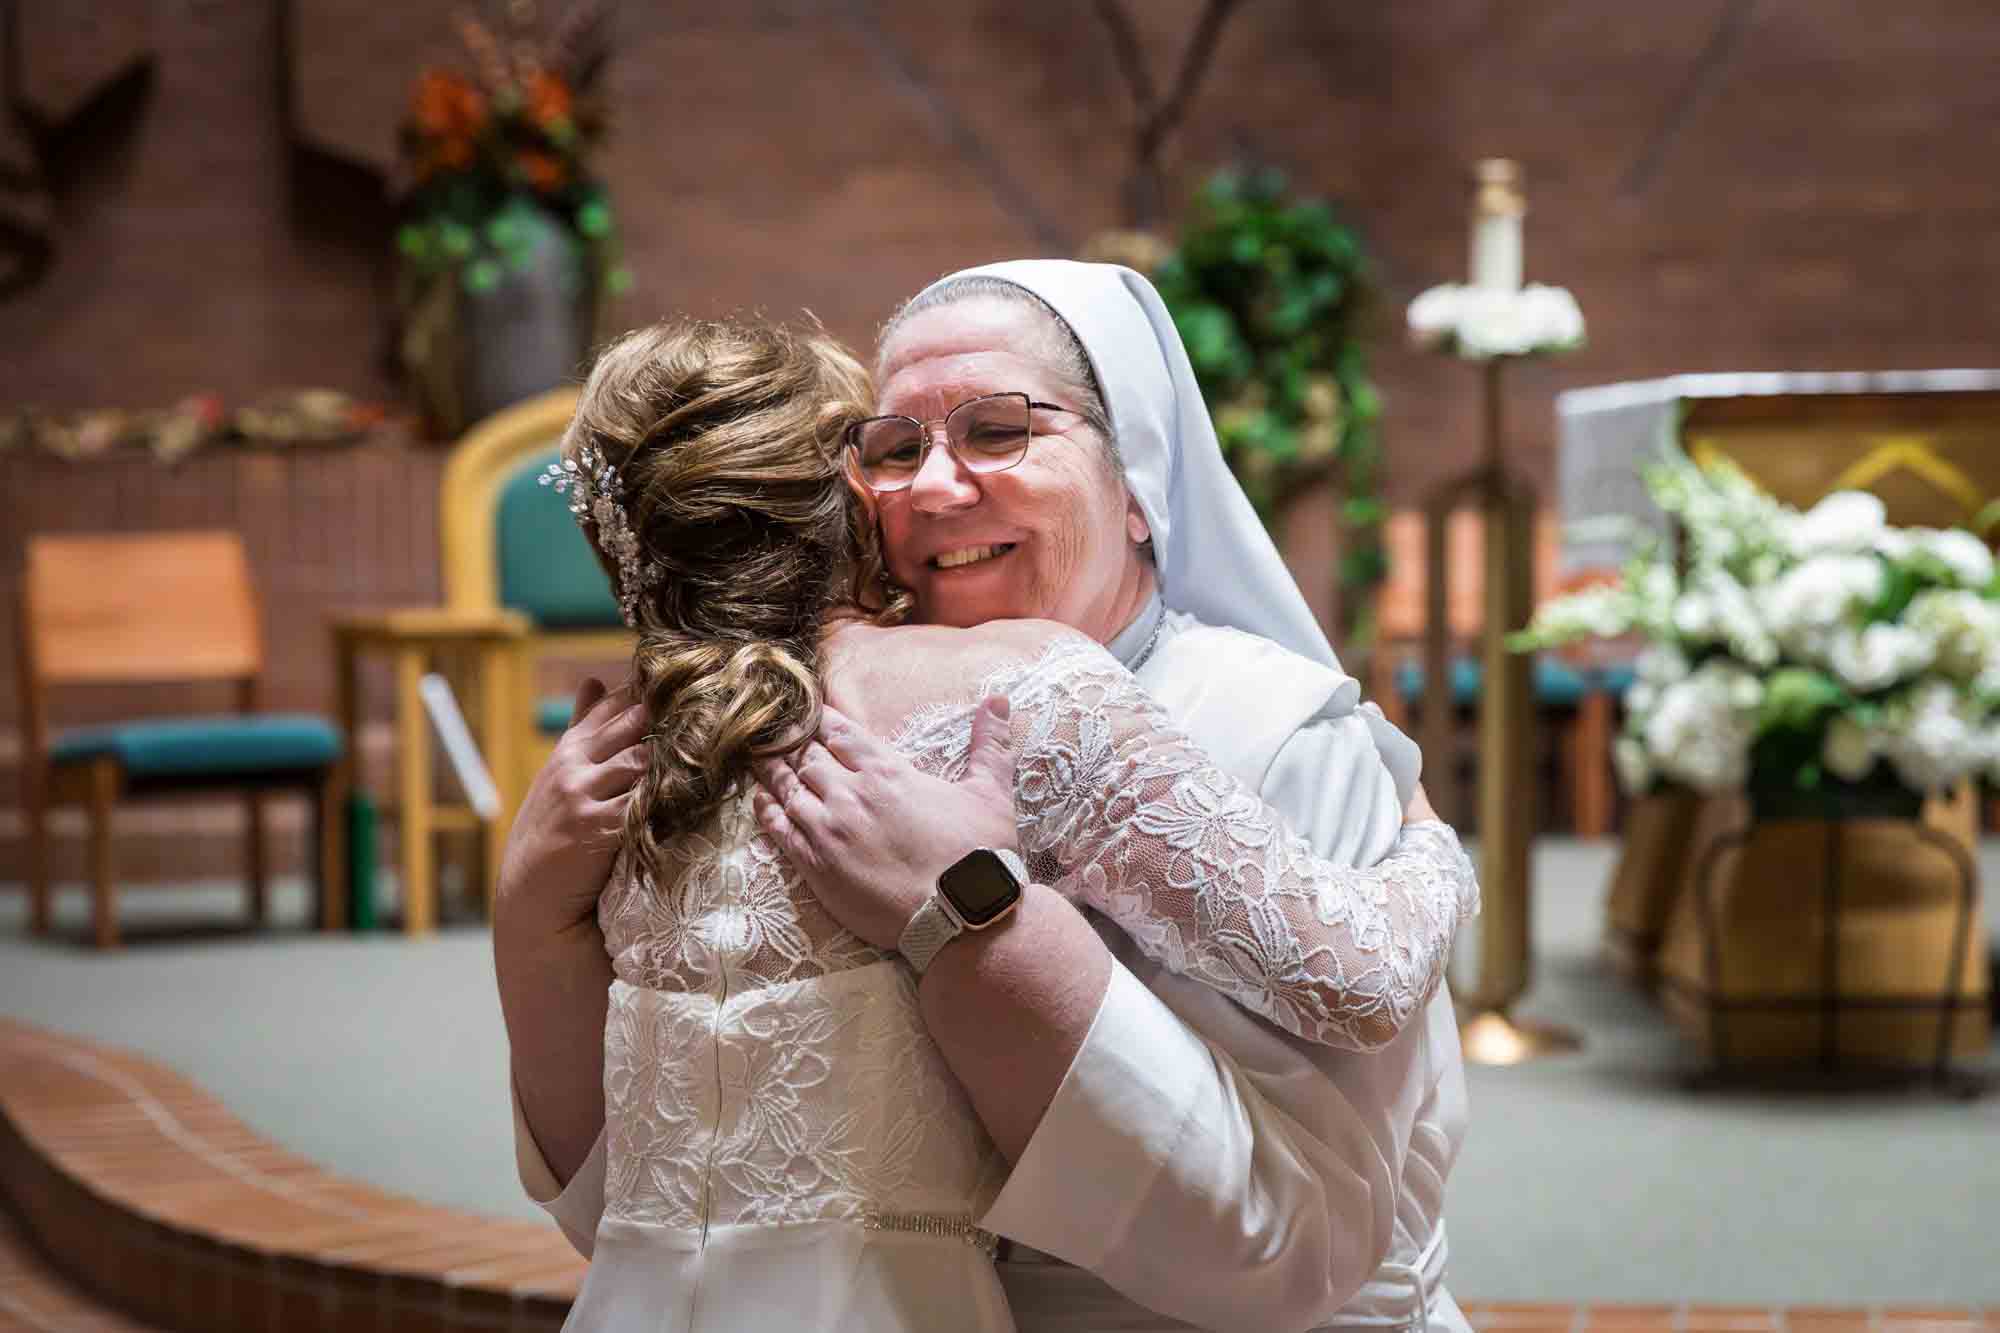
1053, 537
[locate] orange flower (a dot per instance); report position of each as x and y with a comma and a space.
453, 154
543, 171
548, 98
446, 105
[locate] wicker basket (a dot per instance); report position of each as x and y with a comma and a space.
1831, 938
1662, 830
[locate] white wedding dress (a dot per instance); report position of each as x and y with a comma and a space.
785, 1148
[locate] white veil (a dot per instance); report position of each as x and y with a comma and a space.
1214, 558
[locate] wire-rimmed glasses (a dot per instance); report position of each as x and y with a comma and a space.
986, 434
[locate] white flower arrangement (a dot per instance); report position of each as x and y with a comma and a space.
1483, 322
1800, 651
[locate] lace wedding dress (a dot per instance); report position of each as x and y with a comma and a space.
786, 1148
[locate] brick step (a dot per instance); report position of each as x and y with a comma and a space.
34, 1298
147, 1194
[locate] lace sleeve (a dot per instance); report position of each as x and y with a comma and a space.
1122, 811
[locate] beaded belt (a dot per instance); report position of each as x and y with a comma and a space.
941, 1225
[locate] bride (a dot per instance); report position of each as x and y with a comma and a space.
784, 1146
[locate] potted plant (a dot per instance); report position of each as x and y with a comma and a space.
508, 246
1838, 671
1268, 293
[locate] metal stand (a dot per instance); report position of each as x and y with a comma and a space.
1490, 1034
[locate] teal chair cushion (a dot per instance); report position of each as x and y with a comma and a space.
1556, 683
1617, 678
552, 714
196, 747
547, 569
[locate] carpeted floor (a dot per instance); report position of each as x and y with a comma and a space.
1601, 1176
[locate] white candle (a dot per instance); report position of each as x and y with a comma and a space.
1496, 251
1496, 226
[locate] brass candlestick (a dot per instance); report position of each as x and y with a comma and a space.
1489, 1032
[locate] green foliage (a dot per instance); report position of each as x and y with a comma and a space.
1901, 582
1268, 294
1787, 760
1797, 698
471, 230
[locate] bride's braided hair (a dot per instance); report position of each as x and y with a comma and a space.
726, 435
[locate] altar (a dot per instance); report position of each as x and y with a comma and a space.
1926, 441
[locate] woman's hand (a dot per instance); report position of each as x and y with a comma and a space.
870, 833
566, 832
548, 956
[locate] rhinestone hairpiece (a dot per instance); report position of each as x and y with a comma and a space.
593, 487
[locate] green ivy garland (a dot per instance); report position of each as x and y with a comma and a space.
1269, 293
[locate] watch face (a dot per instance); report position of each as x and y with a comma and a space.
980, 888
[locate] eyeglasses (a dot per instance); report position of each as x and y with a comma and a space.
988, 434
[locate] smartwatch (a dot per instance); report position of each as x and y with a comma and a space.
979, 890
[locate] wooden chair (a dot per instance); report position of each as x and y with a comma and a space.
521, 589
169, 608
510, 552
1582, 692
510, 543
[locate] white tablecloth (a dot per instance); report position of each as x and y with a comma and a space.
1608, 432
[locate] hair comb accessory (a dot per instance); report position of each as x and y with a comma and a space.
593, 487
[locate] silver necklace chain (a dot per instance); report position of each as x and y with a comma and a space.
1152, 642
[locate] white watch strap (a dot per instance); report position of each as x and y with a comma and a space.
933, 927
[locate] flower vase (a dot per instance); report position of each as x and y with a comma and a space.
530, 331
481, 336
1658, 844
1834, 931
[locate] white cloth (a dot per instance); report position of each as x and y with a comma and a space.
1207, 1163
1607, 433
783, 1145
659, 1273
791, 1155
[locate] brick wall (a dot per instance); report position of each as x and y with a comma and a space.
1740, 184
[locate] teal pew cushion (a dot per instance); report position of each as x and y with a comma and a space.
201, 746
552, 714
1557, 684
547, 569
1617, 678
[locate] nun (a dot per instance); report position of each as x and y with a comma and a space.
1190, 1154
